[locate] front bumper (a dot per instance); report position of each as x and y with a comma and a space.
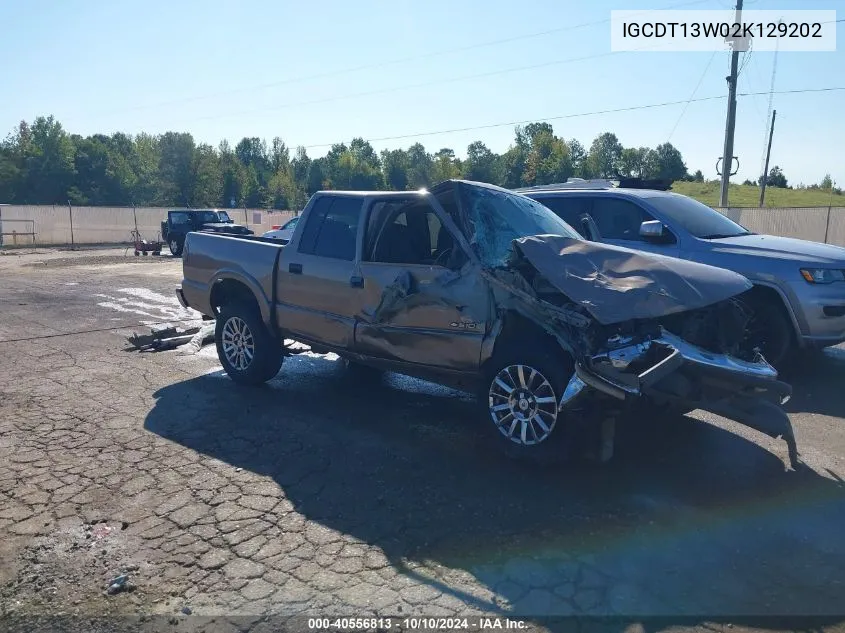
669, 369
822, 307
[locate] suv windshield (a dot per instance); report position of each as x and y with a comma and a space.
696, 218
497, 218
210, 217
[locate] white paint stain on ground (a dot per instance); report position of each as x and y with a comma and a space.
154, 306
208, 351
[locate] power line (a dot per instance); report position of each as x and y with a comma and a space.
753, 101
425, 84
574, 115
384, 64
436, 82
695, 90
771, 103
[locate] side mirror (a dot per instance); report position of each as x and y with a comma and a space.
653, 230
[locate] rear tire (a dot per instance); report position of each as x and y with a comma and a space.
175, 247
519, 398
249, 353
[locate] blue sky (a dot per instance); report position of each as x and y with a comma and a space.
227, 69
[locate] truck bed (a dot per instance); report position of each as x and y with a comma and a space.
212, 257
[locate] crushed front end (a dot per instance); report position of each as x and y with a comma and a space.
648, 330
668, 369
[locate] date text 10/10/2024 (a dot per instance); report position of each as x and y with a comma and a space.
415, 624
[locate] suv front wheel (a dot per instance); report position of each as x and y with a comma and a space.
175, 247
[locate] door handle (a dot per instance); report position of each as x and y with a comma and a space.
296, 269
356, 281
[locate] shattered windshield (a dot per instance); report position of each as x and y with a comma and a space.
496, 218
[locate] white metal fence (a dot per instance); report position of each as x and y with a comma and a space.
57, 225
817, 224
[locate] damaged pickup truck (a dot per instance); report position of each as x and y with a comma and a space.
481, 289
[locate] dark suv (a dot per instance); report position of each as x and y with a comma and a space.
180, 222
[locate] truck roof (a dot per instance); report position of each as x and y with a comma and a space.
362, 194
437, 187
639, 193
197, 210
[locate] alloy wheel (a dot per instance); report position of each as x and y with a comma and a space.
238, 343
523, 405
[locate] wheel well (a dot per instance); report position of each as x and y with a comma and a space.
229, 291
519, 331
766, 296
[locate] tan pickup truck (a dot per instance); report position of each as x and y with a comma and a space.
478, 288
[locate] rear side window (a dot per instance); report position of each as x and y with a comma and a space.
331, 228
180, 217
569, 209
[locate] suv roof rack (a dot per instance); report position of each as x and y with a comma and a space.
603, 183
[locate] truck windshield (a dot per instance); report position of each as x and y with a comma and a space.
497, 218
696, 218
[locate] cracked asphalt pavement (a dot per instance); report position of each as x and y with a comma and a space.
327, 492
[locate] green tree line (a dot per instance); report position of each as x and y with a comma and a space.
41, 163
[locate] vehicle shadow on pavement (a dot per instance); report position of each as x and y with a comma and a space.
817, 380
688, 521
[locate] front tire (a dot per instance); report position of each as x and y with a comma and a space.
770, 329
249, 353
520, 397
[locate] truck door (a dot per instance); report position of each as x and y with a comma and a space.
416, 307
317, 292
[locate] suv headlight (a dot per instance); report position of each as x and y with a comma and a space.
822, 275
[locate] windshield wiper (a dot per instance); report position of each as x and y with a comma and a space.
719, 236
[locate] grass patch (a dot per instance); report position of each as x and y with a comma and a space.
749, 196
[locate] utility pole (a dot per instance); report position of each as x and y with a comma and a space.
768, 153
728, 154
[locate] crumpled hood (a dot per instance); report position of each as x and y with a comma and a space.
776, 247
616, 284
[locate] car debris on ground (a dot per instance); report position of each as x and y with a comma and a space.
167, 337
119, 584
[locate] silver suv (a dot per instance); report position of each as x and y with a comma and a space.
799, 286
